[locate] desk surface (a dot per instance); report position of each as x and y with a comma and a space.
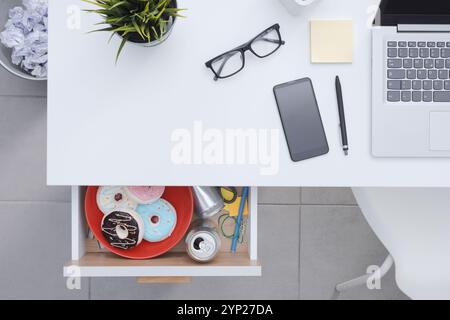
112, 124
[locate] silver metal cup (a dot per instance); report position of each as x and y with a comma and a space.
207, 201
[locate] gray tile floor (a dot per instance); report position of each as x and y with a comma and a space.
310, 238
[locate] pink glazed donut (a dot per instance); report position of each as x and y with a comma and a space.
145, 194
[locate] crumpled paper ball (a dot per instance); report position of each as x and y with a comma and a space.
26, 33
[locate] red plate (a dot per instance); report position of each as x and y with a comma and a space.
179, 197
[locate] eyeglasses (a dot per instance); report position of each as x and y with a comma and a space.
233, 61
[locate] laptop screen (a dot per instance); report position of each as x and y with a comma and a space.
417, 7
395, 12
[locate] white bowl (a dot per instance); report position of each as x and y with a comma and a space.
5, 53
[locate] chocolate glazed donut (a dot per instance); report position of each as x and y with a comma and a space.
123, 229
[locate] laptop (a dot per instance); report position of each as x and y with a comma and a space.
411, 79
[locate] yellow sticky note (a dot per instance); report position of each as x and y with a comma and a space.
233, 208
331, 41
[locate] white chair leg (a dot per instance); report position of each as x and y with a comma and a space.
341, 287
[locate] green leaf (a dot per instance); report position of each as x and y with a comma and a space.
103, 29
138, 28
156, 33
122, 44
110, 38
117, 5
97, 3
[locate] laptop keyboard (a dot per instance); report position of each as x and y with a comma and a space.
418, 71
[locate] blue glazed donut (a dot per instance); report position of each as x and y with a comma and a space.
160, 219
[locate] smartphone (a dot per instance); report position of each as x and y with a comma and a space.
300, 116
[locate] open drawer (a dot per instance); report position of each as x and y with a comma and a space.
90, 260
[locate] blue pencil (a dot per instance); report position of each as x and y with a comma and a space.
237, 227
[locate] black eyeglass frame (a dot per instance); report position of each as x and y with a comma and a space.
244, 48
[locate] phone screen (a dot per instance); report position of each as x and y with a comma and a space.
301, 119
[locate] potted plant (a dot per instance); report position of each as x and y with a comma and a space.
144, 22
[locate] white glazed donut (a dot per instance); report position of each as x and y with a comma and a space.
144, 194
123, 229
160, 219
111, 198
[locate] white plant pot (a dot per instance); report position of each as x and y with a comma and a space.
295, 6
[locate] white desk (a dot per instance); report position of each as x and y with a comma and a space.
113, 124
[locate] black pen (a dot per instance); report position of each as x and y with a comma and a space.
342, 116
